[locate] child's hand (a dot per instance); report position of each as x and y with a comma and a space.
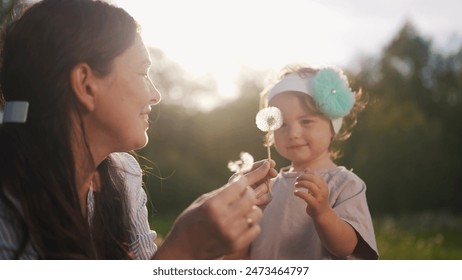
317, 194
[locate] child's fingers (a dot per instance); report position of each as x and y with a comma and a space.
315, 178
318, 180
307, 197
308, 185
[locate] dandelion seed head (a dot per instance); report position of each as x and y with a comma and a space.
244, 164
269, 119
234, 166
247, 162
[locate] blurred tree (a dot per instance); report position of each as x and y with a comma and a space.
180, 87
407, 145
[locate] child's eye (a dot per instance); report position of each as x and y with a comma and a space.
306, 121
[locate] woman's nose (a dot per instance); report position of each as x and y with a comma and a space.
156, 96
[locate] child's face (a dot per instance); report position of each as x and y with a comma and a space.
304, 137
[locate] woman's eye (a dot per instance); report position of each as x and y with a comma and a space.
146, 76
144, 73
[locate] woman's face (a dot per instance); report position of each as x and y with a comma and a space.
121, 116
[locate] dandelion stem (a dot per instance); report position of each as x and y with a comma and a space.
268, 148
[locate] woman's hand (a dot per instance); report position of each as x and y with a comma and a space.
218, 223
262, 187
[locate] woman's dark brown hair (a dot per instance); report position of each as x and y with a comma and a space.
37, 166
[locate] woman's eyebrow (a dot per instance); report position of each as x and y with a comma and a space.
146, 63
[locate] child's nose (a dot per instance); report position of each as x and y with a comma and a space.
294, 131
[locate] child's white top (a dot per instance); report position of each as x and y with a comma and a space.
288, 232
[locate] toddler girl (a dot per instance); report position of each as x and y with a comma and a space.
319, 210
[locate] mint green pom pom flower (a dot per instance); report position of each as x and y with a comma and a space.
331, 93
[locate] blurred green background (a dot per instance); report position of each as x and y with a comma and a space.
406, 146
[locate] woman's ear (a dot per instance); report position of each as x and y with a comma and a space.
84, 85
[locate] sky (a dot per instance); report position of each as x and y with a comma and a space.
221, 38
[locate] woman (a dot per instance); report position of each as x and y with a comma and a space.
76, 74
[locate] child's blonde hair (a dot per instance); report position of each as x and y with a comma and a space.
349, 121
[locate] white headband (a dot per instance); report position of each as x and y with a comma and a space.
293, 82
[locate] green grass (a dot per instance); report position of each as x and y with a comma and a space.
423, 236
426, 236
162, 224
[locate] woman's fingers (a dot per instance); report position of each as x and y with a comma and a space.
250, 228
259, 173
271, 172
262, 193
227, 219
233, 205
253, 216
259, 163
232, 191
219, 223
244, 204
237, 185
